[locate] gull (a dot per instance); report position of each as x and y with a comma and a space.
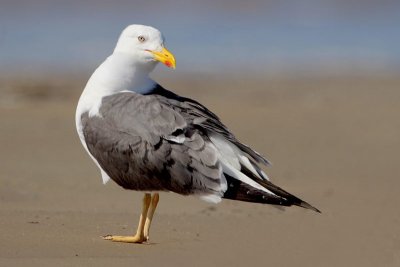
149, 139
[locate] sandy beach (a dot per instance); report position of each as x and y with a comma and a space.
333, 141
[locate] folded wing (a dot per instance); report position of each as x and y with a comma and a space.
161, 141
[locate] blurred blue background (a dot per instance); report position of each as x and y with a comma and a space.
207, 36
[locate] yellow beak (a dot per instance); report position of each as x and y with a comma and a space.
165, 57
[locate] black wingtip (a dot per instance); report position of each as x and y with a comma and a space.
289, 198
305, 205
238, 190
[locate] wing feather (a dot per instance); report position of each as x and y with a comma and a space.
161, 141
144, 144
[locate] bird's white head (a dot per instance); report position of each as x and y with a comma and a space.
145, 44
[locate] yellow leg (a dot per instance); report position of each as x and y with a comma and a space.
154, 201
139, 237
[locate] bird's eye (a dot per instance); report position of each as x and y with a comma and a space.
141, 39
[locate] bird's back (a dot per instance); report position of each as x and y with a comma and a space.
161, 141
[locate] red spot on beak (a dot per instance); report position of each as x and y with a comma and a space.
168, 63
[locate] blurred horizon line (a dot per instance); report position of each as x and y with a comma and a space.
289, 72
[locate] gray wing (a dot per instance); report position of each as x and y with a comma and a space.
143, 143
208, 123
162, 141
201, 116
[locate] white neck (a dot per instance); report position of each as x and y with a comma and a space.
119, 72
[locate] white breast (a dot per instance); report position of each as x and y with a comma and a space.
114, 75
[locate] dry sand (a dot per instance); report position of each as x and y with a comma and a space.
333, 142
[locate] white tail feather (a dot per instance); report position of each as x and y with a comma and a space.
211, 198
231, 171
232, 157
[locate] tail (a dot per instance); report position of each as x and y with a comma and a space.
237, 190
